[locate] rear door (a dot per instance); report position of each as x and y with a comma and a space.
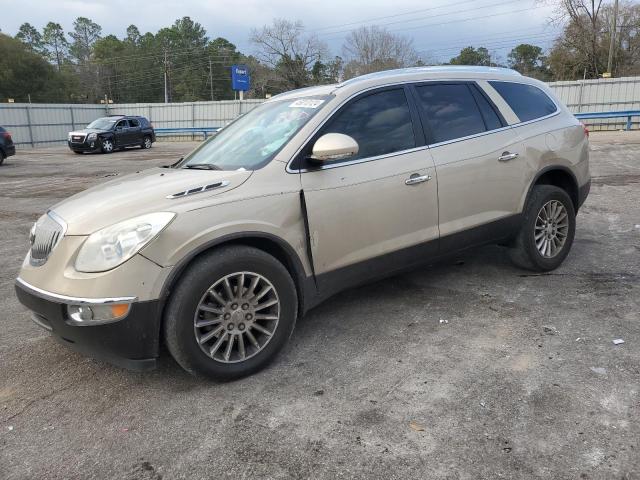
365, 215
478, 158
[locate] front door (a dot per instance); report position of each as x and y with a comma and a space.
121, 132
479, 159
378, 211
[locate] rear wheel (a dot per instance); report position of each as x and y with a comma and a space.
547, 230
146, 142
231, 313
2, 157
107, 145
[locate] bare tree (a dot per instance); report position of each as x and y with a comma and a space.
289, 51
583, 24
372, 49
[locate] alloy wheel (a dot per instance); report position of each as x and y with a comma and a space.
237, 317
147, 142
107, 145
551, 228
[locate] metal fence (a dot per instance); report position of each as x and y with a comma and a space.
602, 95
48, 124
40, 125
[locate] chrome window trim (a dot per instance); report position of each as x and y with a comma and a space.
57, 298
359, 160
415, 149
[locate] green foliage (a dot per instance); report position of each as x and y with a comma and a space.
24, 72
472, 56
529, 60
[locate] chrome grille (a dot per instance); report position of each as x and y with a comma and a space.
77, 138
45, 236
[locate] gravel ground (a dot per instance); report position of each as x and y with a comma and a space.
471, 369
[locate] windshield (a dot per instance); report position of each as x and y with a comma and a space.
252, 140
103, 123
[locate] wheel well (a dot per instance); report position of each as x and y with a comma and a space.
561, 179
266, 244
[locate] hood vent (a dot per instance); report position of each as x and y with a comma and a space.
205, 188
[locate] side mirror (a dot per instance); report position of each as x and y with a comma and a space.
334, 146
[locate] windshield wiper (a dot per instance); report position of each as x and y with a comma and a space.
173, 164
203, 166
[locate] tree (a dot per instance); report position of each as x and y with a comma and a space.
471, 56
24, 74
582, 49
133, 35
372, 49
84, 35
528, 60
30, 36
55, 43
284, 47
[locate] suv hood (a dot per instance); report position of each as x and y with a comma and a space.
140, 193
85, 131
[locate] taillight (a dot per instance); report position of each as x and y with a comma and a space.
6, 135
586, 130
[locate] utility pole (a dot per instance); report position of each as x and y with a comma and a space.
613, 36
166, 92
211, 79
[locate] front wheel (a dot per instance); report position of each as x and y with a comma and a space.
231, 313
107, 145
547, 231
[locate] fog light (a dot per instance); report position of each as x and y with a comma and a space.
94, 314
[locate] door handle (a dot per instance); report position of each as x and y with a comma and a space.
416, 178
506, 156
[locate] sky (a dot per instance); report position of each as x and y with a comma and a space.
438, 28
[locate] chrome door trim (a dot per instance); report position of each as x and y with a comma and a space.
57, 298
359, 160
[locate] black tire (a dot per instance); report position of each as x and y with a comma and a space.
524, 252
104, 145
2, 157
76, 152
146, 142
181, 309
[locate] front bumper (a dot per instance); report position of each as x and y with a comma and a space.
86, 146
132, 342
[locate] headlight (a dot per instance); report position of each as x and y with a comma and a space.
114, 245
92, 136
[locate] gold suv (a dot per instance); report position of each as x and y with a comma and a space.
314, 191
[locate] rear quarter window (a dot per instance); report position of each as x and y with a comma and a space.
526, 101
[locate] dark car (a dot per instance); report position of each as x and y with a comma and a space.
7, 148
113, 133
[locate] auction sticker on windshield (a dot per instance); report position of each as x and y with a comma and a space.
307, 103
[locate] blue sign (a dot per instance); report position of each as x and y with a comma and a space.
240, 79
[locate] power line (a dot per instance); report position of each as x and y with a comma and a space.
444, 14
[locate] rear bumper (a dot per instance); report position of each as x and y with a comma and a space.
583, 192
131, 343
9, 150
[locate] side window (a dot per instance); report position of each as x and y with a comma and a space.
526, 101
491, 118
121, 125
380, 123
134, 123
451, 110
